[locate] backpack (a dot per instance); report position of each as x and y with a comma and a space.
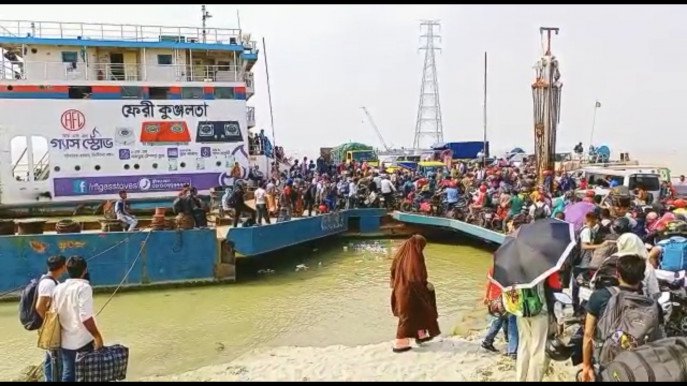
524, 302
664, 360
674, 253
629, 321
28, 316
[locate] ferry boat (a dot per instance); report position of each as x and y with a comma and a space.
87, 110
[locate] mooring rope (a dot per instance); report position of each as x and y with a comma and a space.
126, 275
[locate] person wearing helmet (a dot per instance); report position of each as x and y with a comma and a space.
451, 193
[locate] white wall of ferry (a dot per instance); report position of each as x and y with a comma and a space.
89, 158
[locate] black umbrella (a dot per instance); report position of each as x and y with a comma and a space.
538, 250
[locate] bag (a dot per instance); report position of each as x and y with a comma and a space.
630, 321
50, 333
674, 254
664, 360
28, 316
496, 307
105, 365
523, 302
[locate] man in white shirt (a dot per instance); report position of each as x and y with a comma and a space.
352, 193
388, 190
73, 302
123, 214
261, 204
46, 287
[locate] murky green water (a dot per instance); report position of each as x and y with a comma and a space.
343, 298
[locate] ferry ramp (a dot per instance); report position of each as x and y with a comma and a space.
455, 225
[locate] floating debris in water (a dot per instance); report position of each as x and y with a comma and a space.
345, 248
219, 346
301, 267
374, 248
319, 264
265, 271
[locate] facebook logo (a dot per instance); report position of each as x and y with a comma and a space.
80, 186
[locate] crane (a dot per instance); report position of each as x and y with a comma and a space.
374, 126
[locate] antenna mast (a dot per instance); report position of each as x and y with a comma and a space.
206, 15
428, 122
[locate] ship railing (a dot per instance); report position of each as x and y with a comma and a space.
121, 32
127, 72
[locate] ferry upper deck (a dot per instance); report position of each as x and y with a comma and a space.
59, 53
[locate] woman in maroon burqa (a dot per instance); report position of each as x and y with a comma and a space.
412, 298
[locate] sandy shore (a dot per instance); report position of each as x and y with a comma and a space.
445, 359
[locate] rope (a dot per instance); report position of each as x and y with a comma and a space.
121, 283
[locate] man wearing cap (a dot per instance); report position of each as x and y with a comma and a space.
73, 302
46, 287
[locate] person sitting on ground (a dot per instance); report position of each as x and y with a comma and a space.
630, 269
122, 212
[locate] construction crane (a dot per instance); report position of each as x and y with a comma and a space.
374, 126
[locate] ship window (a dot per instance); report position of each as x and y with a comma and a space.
224, 93
183, 164
164, 59
97, 167
69, 57
126, 166
192, 93
20, 160
158, 92
132, 92
57, 168
24, 148
136, 166
80, 92
77, 168
154, 166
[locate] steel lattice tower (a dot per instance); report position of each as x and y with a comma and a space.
429, 110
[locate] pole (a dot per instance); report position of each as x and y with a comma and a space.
269, 98
485, 150
591, 136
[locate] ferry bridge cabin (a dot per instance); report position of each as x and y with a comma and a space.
89, 109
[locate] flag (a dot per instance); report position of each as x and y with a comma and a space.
598, 104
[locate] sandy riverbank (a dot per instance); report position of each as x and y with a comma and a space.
445, 359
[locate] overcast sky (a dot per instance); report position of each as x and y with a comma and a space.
327, 61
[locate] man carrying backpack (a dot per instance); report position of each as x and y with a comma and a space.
610, 308
533, 329
35, 301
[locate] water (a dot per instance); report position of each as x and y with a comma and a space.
343, 298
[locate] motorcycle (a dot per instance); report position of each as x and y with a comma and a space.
485, 217
673, 301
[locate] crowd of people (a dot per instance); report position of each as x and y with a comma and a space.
622, 230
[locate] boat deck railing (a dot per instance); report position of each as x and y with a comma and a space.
127, 72
123, 32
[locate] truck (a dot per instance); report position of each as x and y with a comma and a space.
353, 151
466, 150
